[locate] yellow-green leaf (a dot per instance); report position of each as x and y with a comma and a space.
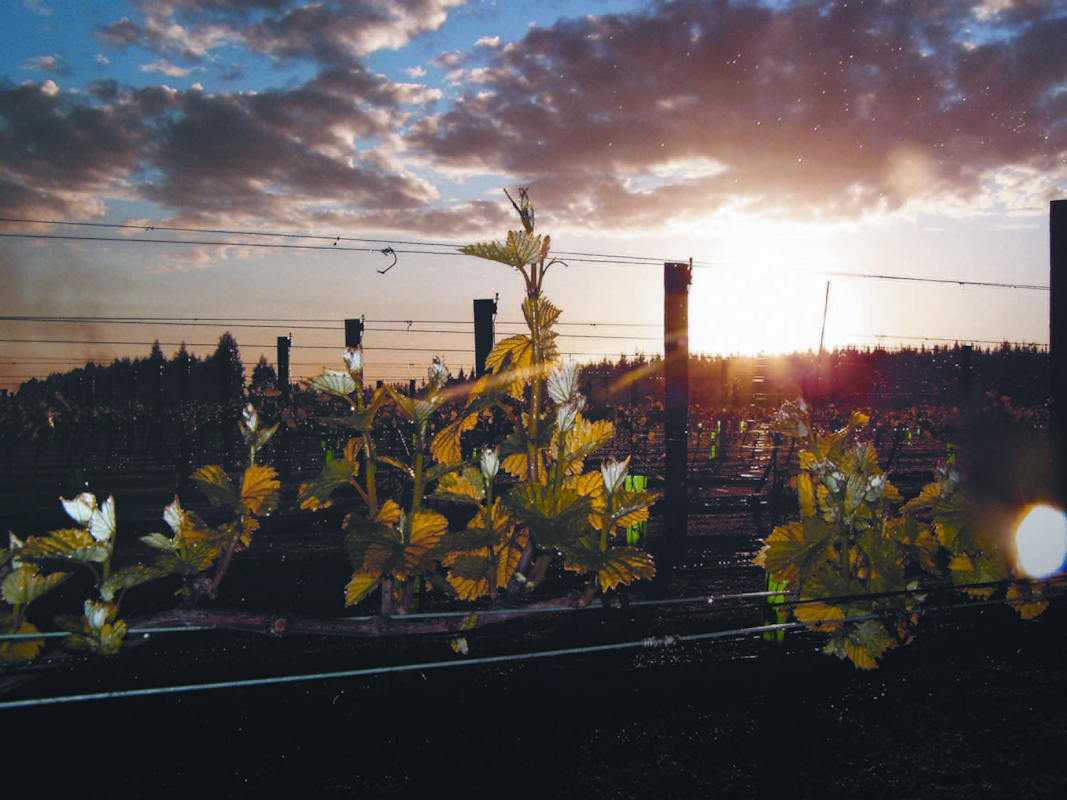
259, 490
335, 382
315, 494
15, 650
73, 544
614, 566
359, 587
794, 551
217, 487
26, 584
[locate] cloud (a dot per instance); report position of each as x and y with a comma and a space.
58, 157
168, 69
56, 64
335, 34
38, 7
811, 109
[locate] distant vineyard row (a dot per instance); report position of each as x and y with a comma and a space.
873, 378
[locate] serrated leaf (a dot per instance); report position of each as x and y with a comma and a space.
556, 520
614, 566
477, 572
916, 539
102, 522
81, 508
161, 542
333, 382
217, 487
407, 469
520, 250
446, 446
198, 557
819, 612
16, 650
359, 587
315, 494
259, 490
26, 584
466, 488
426, 530
72, 544
1027, 603
515, 352
862, 644
793, 552
128, 578
883, 561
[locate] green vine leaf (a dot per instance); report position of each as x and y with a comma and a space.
520, 250
72, 544
333, 382
316, 493
128, 578
795, 551
556, 520
26, 584
217, 487
16, 650
862, 644
260, 490
613, 567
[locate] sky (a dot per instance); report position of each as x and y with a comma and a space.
846, 171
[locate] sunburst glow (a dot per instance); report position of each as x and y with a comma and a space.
1041, 541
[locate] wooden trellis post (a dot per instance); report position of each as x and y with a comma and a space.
677, 278
484, 315
1057, 355
284, 344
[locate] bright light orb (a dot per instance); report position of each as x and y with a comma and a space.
1041, 541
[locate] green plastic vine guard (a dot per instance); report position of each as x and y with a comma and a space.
636, 534
774, 614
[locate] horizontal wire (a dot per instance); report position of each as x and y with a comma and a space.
601, 258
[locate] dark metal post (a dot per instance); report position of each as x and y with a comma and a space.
284, 343
284, 466
353, 333
676, 280
1057, 355
484, 314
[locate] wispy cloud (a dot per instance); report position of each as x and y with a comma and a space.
56, 64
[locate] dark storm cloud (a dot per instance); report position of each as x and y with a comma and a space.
334, 32
825, 109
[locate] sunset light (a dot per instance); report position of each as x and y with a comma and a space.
266, 162
1041, 541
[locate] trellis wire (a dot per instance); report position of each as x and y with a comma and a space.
667, 640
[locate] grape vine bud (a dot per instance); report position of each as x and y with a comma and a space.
250, 418
490, 463
614, 473
566, 416
563, 383
96, 614
438, 373
354, 359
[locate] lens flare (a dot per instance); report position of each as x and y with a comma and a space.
1041, 541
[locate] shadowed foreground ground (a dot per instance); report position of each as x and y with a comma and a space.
976, 709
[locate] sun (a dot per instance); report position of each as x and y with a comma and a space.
766, 292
